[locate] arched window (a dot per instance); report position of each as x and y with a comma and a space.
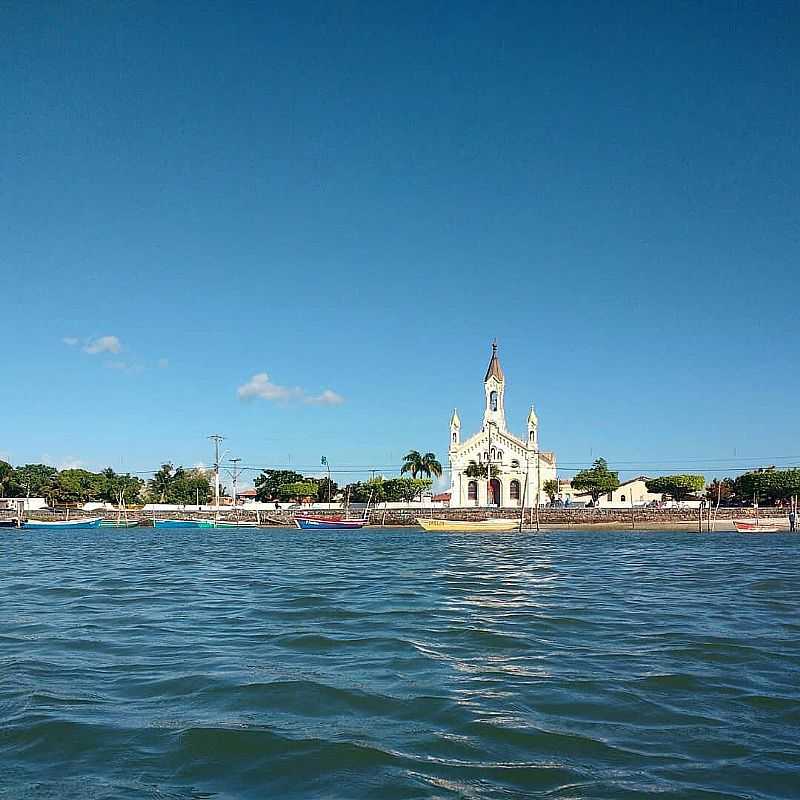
472, 490
515, 464
499, 455
455, 436
485, 456
622, 498
532, 435
493, 401
494, 454
513, 490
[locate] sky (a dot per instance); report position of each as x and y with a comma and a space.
301, 225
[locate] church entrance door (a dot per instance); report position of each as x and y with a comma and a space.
495, 496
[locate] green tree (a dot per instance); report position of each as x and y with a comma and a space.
768, 485
298, 490
678, 487
34, 480
6, 477
418, 464
77, 486
550, 487
268, 483
119, 489
326, 490
159, 485
190, 486
596, 480
405, 489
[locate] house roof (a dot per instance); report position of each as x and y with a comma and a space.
441, 497
494, 370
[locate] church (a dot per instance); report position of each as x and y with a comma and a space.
513, 460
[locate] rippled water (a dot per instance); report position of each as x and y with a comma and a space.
396, 664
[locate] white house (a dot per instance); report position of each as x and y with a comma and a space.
631, 492
517, 459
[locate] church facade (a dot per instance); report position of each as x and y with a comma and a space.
514, 461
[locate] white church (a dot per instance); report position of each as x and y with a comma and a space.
513, 460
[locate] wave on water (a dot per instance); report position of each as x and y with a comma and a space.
392, 664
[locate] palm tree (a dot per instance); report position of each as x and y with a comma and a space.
417, 464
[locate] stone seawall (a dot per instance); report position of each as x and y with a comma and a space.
561, 517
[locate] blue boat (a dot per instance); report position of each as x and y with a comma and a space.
183, 523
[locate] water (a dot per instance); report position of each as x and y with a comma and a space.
395, 664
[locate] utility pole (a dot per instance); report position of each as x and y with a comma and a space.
216, 438
326, 464
235, 477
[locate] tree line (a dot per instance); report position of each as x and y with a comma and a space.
286, 485
176, 485
767, 485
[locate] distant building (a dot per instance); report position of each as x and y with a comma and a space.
515, 458
631, 492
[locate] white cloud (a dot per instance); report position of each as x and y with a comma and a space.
326, 398
70, 341
104, 344
262, 387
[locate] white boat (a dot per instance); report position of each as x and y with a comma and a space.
751, 526
469, 526
89, 522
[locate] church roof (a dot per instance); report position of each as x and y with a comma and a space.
494, 370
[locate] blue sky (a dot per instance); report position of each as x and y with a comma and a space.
356, 200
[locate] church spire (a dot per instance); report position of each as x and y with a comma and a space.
494, 370
494, 385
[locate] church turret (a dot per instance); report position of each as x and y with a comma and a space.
533, 429
455, 429
494, 387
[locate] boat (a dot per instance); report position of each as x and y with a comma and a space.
749, 526
89, 522
11, 523
183, 523
307, 522
116, 523
229, 523
469, 526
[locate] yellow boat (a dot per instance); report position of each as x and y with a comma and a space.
469, 526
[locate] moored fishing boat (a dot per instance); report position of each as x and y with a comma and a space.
308, 523
183, 523
89, 522
116, 523
12, 523
750, 526
468, 526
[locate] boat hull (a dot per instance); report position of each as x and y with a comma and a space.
183, 523
468, 526
110, 523
745, 526
11, 523
64, 523
322, 524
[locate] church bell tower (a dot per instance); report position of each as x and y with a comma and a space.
494, 385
